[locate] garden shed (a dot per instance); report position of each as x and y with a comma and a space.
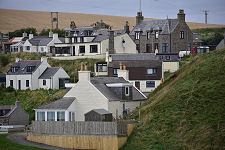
98, 115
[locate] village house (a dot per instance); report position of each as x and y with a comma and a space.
113, 94
162, 36
35, 74
41, 44
221, 44
59, 110
13, 115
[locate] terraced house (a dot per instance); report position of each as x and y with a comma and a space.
162, 36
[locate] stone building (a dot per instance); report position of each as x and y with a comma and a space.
162, 36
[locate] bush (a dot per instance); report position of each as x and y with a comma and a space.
4, 60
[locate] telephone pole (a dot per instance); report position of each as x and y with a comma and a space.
140, 6
206, 15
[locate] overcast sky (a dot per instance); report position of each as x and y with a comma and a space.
151, 8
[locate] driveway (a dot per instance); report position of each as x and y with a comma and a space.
20, 138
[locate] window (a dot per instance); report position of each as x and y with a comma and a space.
75, 39
41, 116
50, 116
61, 116
28, 48
115, 71
137, 35
102, 67
151, 71
165, 47
27, 83
167, 57
11, 83
44, 82
156, 34
148, 48
181, 34
71, 116
14, 69
127, 92
81, 39
82, 49
150, 84
161, 57
148, 35
138, 48
42, 49
93, 48
156, 46
30, 68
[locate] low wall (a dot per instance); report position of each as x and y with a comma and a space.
82, 135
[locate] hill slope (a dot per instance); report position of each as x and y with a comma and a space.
11, 20
187, 110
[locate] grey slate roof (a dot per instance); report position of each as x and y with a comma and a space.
100, 38
134, 57
106, 32
40, 41
49, 72
102, 111
196, 37
166, 25
100, 84
63, 104
221, 44
134, 63
22, 66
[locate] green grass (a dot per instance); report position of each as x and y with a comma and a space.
6, 144
187, 110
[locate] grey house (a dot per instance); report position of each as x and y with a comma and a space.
162, 36
13, 115
98, 115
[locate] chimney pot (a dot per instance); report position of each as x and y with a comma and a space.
121, 66
124, 67
81, 66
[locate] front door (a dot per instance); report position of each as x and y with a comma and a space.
137, 84
73, 50
19, 84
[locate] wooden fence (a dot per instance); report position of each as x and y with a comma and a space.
79, 128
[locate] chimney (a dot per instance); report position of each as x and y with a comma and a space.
127, 28
181, 16
84, 74
50, 34
31, 36
139, 18
24, 34
44, 59
123, 72
55, 36
111, 42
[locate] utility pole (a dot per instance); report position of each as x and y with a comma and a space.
140, 6
206, 15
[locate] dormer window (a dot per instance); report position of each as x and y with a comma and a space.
30, 68
156, 34
151, 71
148, 35
14, 69
127, 92
137, 35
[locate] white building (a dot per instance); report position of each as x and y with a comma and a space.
25, 74
60, 110
113, 94
41, 44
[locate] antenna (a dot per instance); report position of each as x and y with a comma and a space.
140, 6
206, 15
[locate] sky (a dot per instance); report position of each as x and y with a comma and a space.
158, 9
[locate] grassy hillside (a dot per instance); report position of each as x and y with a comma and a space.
11, 20
187, 110
70, 66
29, 99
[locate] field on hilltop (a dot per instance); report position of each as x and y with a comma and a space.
11, 20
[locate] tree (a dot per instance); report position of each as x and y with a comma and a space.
19, 33
45, 32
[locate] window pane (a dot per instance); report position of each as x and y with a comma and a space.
150, 83
41, 116
61, 116
50, 116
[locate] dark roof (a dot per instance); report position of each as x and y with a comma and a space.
40, 41
135, 63
22, 66
165, 25
196, 37
106, 32
134, 57
100, 38
100, 84
63, 103
49, 72
168, 57
101, 111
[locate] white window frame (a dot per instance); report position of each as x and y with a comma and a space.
137, 35
156, 34
127, 91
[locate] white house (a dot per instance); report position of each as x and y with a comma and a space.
113, 94
41, 44
25, 74
96, 45
60, 110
